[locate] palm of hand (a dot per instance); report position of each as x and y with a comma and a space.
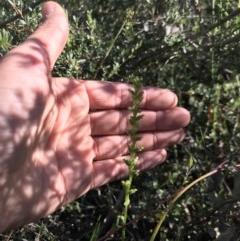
55, 164
50, 129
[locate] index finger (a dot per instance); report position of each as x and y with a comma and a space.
111, 95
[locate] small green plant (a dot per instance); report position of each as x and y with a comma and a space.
133, 150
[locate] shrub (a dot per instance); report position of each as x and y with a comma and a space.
191, 47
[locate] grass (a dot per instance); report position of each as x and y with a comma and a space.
191, 47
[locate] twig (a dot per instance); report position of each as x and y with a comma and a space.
219, 23
19, 15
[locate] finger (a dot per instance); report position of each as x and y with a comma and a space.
114, 146
44, 46
114, 122
109, 95
115, 169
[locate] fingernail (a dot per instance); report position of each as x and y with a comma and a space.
48, 9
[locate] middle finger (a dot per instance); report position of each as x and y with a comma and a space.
114, 122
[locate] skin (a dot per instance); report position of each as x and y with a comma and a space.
62, 137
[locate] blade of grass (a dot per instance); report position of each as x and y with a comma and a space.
110, 48
178, 195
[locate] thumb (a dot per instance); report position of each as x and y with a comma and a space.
53, 33
45, 45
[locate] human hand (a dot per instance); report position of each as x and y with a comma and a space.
59, 138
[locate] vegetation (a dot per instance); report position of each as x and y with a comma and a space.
191, 47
